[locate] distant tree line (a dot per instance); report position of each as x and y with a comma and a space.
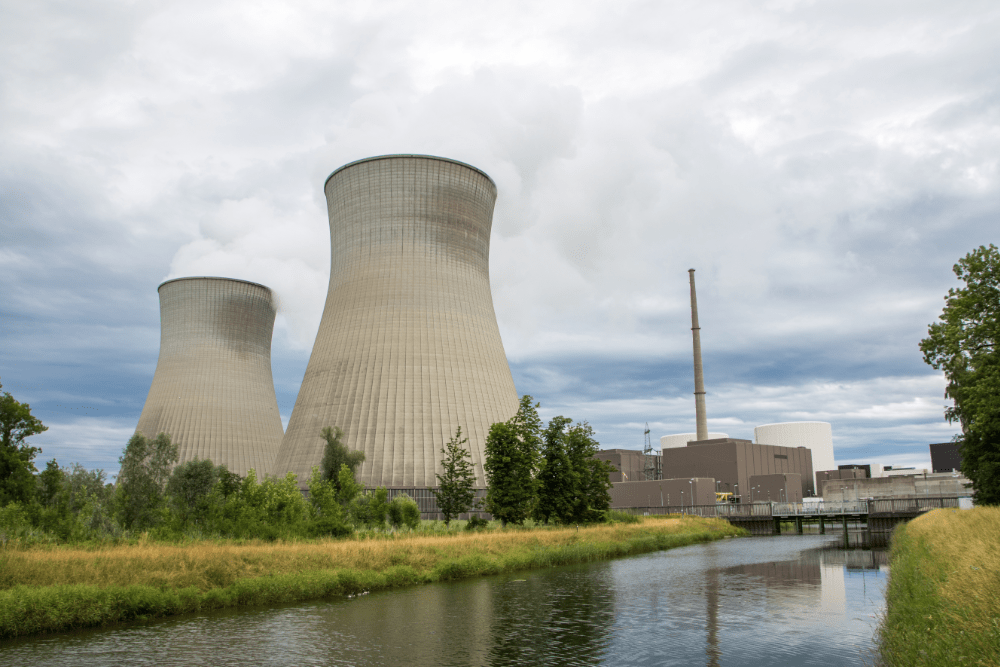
547, 473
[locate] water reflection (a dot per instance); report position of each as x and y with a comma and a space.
757, 601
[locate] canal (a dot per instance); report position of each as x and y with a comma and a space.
789, 600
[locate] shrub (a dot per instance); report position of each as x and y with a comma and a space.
476, 523
617, 516
404, 511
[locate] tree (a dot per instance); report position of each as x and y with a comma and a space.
964, 344
189, 488
557, 480
511, 459
145, 468
17, 468
455, 493
593, 484
336, 454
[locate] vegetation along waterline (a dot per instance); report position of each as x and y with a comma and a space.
943, 596
53, 588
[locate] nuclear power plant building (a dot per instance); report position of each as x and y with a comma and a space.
212, 391
408, 348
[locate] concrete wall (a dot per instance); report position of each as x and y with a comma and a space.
840, 473
849, 490
408, 348
732, 462
783, 487
212, 391
663, 493
896, 486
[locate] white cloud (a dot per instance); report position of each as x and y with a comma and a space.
822, 166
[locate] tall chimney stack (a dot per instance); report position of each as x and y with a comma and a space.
699, 377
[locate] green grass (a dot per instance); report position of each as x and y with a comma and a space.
942, 604
91, 588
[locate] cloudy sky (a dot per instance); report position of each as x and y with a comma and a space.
821, 164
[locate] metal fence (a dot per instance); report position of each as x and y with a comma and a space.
766, 510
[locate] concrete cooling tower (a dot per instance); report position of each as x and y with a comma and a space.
212, 391
682, 439
817, 436
408, 348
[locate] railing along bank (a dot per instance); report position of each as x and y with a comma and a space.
772, 509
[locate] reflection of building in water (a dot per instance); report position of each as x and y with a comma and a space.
833, 592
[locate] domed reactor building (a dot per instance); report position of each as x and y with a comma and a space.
213, 392
408, 348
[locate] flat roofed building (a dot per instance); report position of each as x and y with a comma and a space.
946, 457
779, 488
732, 462
674, 493
629, 464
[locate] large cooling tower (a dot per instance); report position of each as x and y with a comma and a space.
212, 391
408, 348
817, 436
682, 439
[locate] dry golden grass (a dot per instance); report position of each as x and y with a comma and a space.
208, 565
965, 545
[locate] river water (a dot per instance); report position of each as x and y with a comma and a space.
790, 600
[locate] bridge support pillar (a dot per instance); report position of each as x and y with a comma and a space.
777, 526
847, 541
798, 525
822, 526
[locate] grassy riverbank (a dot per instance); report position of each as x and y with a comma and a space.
943, 596
60, 588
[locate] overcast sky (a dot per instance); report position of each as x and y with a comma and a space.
821, 164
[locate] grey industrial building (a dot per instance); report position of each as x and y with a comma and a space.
631, 465
408, 348
732, 463
673, 493
842, 472
212, 391
946, 457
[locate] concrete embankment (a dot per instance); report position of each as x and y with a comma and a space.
943, 596
53, 589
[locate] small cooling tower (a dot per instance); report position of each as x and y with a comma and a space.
682, 439
212, 391
817, 436
408, 348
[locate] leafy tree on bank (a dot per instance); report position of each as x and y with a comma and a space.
189, 488
964, 344
145, 468
558, 482
336, 454
511, 459
455, 493
593, 496
17, 468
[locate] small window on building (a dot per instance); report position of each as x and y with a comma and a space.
780, 456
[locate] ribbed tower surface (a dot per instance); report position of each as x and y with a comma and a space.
408, 348
212, 391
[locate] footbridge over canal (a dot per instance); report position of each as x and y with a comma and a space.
875, 517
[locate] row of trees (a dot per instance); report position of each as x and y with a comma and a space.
964, 344
195, 498
548, 473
